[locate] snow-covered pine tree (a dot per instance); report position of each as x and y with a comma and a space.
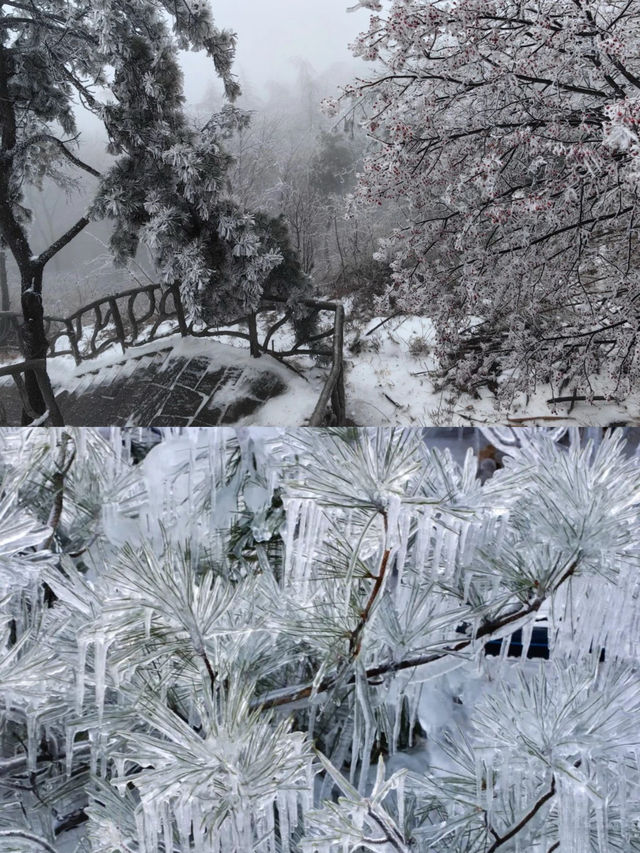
507, 134
278, 642
118, 60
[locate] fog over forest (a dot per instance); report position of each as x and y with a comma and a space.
289, 57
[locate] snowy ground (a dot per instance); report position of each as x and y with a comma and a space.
291, 408
389, 381
389, 368
142, 386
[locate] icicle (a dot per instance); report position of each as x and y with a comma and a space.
527, 633
436, 554
400, 799
397, 720
355, 742
292, 514
103, 759
283, 820
362, 692
68, 755
413, 713
32, 733
139, 818
183, 822
405, 529
461, 545
167, 828
148, 616
151, 825
394, 506
80, 674
425, 523
119, 764
468, 580
100, 660
93, 754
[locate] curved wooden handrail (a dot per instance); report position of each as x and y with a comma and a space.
113, 320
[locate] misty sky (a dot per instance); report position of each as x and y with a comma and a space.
273, 32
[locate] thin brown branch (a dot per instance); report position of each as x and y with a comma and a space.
389, 835
60, 144
62, 241
484, 631
210, 669
526, 819
63, 465
355, 642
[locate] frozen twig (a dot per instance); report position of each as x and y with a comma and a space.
28, 836
484, 631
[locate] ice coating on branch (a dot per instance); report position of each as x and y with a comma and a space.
336, 681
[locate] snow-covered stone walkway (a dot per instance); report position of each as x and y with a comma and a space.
176, 382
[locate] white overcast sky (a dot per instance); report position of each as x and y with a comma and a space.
271, 33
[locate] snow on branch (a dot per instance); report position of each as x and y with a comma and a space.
278, 640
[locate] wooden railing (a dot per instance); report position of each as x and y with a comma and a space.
136, 317
127, 319
18, 372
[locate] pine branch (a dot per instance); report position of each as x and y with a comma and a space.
61, 242
63, 465
485, 630
59, 143
355, 642
28, 836
500, 840
390, 836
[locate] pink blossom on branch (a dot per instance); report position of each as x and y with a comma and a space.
508, 134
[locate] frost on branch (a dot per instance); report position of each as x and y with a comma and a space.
318, 642
507, 136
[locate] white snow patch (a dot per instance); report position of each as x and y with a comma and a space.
390, 380
291, 408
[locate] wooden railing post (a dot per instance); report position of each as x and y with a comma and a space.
334, 387
36, 368
338, 400
117, 320
254, 343
177, 301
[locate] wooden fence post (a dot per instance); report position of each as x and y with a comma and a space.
338, 400
117, 320
177, 301
73, 340
254, 343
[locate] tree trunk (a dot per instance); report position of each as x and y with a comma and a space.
34, 341
5, 302
256, 352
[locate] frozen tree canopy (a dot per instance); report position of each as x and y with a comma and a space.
317, 641
508, 134
118, 60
